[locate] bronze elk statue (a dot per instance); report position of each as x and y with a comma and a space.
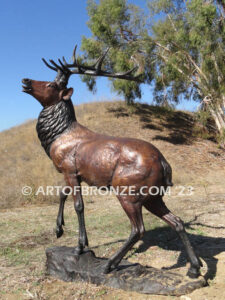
100, 160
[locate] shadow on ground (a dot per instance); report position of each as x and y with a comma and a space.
179, 124
206, 247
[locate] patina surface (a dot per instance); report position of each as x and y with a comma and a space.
100, 160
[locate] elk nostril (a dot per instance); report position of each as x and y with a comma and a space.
27, 85
26, 80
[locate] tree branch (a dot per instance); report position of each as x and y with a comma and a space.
181, 72
193, 62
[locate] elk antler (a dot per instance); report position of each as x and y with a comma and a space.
64, 71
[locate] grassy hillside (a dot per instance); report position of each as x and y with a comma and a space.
194, 161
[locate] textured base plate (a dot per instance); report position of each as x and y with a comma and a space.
64, 264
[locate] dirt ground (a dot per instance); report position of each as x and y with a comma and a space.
26, 232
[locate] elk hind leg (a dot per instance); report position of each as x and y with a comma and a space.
158, 208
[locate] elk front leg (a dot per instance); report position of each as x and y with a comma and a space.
134, 212
73, 181
60, 217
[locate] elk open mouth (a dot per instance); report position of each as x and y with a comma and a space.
27, 86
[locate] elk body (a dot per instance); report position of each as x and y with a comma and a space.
100, 160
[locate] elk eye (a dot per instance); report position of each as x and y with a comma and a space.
51, 85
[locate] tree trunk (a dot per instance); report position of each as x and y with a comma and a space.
218, 117
221, 115
217, 112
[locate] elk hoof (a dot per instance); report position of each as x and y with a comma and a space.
78, 250
106, 269
59, 231
193, 273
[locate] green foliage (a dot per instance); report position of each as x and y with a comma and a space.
188, 40
117, 25
180, 48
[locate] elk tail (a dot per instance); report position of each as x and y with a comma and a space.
167, 172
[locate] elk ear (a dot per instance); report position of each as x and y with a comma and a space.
66, 94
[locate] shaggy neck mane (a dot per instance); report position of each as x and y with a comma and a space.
53, 121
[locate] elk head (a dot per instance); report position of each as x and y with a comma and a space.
49, 93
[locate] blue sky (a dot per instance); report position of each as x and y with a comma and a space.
30, 30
